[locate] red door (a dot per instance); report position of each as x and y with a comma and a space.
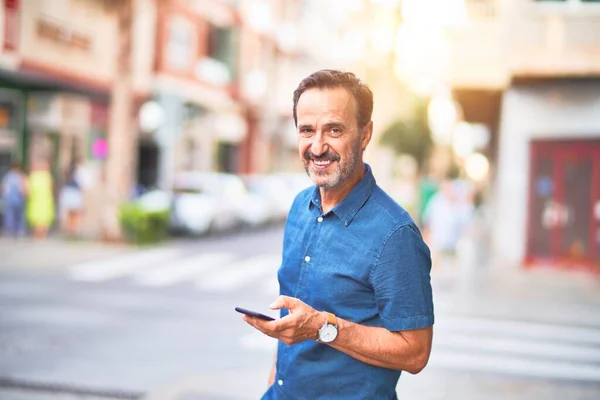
564, 203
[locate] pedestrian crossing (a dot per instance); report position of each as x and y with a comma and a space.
183, 270
239, 274
513, 348
499, 346
115, 267
208, 272
538, 350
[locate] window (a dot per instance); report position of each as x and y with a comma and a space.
227, 157
11, 24
179, 50
8, 114
222, 46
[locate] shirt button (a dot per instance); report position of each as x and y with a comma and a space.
307, 258
280, 382
320, 219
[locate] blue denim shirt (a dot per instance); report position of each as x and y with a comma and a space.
366, 262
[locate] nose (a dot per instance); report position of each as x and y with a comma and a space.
318, 145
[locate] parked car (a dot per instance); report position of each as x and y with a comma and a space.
254, 208
295, 182
210, 202
205, 202
271, 193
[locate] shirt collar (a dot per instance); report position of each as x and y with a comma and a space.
349, 206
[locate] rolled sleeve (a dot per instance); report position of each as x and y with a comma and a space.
401, 281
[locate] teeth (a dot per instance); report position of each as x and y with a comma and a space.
322, 163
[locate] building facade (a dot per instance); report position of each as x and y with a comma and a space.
49, 50
541, 62
195, 75
206, 78
219, 70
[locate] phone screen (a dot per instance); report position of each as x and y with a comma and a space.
254, 314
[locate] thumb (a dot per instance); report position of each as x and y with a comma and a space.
283, 302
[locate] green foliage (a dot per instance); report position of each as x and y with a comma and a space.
410, 136
142, 226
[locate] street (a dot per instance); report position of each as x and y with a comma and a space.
160, 324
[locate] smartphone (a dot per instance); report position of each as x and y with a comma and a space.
254, 314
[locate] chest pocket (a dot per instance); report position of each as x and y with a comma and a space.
338, 275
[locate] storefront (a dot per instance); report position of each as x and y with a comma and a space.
547, 190
11, 115
59, 129
564, 203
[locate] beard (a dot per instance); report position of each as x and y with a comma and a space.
339, 170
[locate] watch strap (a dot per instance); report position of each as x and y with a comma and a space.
331, 319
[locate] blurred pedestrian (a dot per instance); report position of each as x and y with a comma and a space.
40, 205
356, 302
71, 200
447, 218
14, 195
428, 187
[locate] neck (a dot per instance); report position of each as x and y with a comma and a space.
331, 197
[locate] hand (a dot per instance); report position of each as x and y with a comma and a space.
302, 323
272, 376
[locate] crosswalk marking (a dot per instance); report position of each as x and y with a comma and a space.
548, 351
531, 349
181, 270
105, 269
496, 363
213, 271
538, 350
236, 275
530, 330
518, 347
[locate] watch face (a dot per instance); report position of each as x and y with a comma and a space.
328, 333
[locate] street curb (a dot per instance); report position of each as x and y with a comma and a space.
66, 388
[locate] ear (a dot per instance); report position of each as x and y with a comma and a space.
366, 134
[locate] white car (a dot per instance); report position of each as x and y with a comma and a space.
205, 202
270, 197
295, 182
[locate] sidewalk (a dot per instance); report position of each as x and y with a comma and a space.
509, 292
29, 255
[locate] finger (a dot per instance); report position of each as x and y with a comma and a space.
262, 325
249, 320
285, 328
284, 302
286, 323
292, 337
252, 322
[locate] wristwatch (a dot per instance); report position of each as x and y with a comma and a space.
329, 331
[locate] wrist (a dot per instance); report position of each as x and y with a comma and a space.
328, 331
320, 321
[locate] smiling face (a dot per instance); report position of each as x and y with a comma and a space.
330, 142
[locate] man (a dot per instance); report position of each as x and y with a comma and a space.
356, 303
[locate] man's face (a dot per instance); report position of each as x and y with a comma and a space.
329, 141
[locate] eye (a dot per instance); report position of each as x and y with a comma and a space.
306, 131
335, 131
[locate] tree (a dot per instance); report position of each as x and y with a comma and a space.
121, 135
410, 136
